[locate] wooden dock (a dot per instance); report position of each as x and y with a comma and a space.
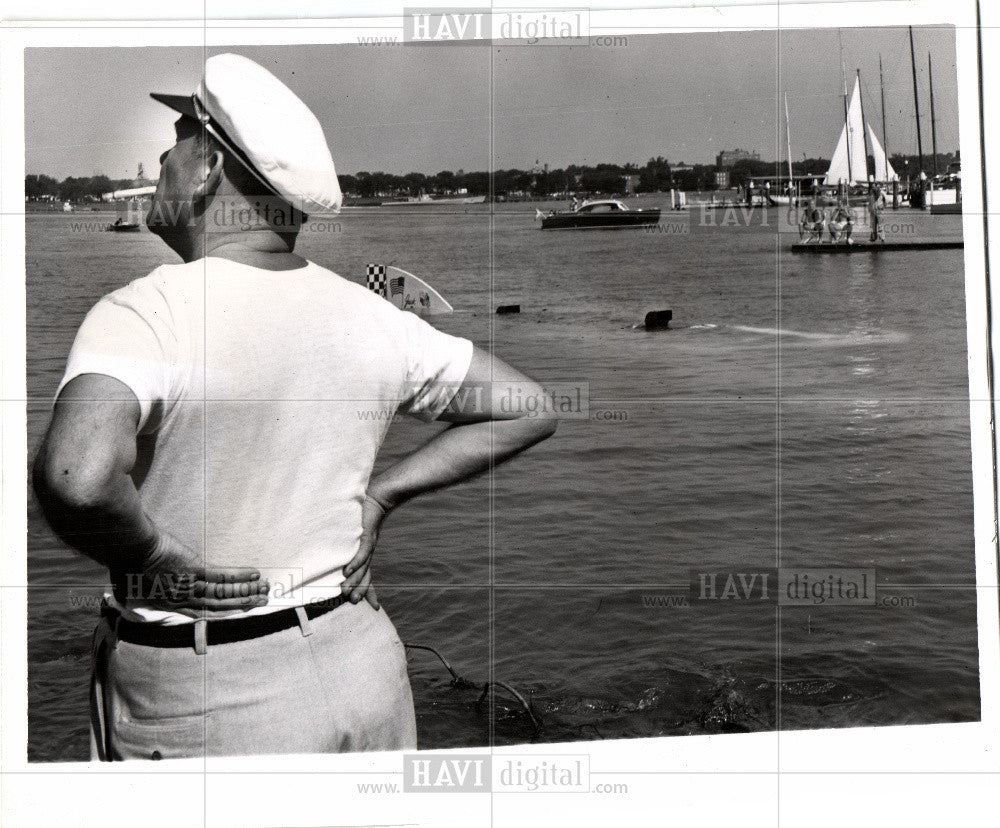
877, 247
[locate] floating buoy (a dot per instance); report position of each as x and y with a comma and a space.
505, 309
658, 320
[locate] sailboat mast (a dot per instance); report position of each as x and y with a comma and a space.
930, 82
847, 121
864, 125
885, 135
916, 105
788, 145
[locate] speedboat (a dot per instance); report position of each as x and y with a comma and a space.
130, 217
122, 226
593, 214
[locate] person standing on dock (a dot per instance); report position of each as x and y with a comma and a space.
213, 438
876, 201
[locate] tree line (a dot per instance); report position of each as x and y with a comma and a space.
87, 188
656, 175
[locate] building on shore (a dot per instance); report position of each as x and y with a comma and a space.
727, 158
139, 186
132, 192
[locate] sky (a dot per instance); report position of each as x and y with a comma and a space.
430, 108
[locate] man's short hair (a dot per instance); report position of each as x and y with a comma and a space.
239, 176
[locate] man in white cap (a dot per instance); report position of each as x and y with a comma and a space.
208, 446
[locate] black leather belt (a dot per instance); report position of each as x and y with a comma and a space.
221, 631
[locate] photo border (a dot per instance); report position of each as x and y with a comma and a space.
923, 774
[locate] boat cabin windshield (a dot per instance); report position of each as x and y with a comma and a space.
602, 207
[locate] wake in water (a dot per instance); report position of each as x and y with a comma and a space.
640, 326
830, 340
825, 340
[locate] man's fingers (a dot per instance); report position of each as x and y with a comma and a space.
372, 515
193, 606
365, 550
190, 575
353, 580
220, 590
359, 591
212, 613
221, 604
372, 598
227, 575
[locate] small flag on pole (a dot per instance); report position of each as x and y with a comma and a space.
404, 290
377, 280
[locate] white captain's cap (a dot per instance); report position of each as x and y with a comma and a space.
267, 127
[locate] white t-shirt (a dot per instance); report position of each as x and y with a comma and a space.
265, 396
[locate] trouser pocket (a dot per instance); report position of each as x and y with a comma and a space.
156, 702
160, 739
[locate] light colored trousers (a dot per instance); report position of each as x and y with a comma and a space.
341, 687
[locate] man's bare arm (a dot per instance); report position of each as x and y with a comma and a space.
481, 436
81, 472
81, 478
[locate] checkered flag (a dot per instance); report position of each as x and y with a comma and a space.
376, 279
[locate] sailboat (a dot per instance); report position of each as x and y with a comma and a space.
849, 165
789, 197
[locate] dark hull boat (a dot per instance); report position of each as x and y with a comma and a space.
130, 219
877, 246
598, 214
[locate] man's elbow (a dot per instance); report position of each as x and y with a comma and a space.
546, 428
535, 429
73, 482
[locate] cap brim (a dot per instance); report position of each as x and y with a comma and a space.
179, 103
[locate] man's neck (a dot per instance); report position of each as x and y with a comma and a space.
261, 248
238, 251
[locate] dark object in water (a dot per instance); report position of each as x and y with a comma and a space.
876, 247
121, 226
502, 310
599, 214
658, 320
458, 681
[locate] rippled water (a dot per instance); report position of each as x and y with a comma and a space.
814, 408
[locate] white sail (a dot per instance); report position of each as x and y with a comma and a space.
883, 169
852, 141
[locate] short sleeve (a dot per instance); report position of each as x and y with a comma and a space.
127, 335
436, 366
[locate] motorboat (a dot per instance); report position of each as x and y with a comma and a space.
120, 225
130, 217
598, 214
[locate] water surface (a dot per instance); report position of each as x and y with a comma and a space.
811, 411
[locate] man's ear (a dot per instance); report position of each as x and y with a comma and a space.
212, 172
